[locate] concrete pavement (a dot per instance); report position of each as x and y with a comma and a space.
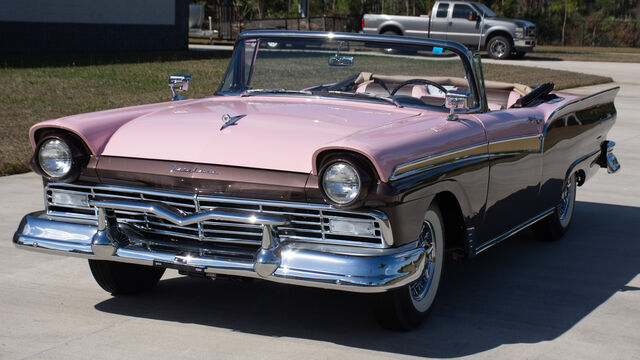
578, 298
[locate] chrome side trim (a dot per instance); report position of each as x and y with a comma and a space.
509, 146
518, 144
513, 231
432, 161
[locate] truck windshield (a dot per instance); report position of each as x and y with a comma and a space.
484, 10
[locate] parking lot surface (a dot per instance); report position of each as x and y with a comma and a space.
578, 298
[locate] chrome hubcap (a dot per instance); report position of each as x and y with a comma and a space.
498, 48
566, 199
420, 287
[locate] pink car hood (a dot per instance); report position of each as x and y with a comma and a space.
278, 133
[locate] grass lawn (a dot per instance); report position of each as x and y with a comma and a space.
42, 87
585, 53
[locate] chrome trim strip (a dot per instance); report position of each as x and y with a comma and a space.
432, 161
517, 144
509, 146
513, 231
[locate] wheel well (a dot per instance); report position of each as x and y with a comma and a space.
453, 221
499, 33
580, 177
393, 28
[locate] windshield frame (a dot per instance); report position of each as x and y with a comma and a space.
236, 71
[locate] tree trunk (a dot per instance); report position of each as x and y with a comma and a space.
564, 22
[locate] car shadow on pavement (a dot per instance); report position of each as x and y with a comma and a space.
520, 291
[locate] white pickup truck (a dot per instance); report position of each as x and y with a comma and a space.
468, 22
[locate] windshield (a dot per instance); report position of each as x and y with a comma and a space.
483, 9
356, 70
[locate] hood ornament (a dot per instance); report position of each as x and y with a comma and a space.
229, 120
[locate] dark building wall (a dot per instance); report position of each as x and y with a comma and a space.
86, 33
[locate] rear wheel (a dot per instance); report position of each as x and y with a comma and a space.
554, 226
390, 50
405, 308
499, 47
124, 279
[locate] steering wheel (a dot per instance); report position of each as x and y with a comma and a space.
419, 81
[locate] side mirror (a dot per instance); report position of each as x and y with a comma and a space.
457, 100
473, 16
179, 82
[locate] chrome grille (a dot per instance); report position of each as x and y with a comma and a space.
309, 222
530, 31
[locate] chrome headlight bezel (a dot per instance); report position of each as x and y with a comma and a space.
73, 155
350, 167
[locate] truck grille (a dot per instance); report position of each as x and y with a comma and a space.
309, 222
530, 31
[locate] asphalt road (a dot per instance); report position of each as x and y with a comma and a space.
578, 298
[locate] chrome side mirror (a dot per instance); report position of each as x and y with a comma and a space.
179, 82
457, 100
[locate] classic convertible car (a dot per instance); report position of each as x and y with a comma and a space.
322, 160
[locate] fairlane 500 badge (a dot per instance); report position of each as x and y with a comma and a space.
195, 170
229, 120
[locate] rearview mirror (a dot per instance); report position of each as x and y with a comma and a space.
341, 60
457, 100
179, 82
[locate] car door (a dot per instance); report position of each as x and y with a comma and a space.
515, 170
463, 26
439, 22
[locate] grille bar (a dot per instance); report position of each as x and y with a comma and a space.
308, 222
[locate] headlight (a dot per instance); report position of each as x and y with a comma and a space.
55, 158
519, 32
341, 183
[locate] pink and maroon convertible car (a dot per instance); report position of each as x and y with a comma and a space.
323, 160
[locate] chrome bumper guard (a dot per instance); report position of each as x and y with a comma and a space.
607, 158
336, 267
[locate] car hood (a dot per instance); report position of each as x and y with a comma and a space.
519, 23
278, 132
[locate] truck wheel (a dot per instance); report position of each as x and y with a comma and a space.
554, 226
390, 50
499, 47
406, 307
124, 279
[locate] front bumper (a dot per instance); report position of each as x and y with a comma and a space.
331, 267
524, 45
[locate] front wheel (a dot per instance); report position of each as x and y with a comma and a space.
554, 226
499, 47
405, 308
124, 279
